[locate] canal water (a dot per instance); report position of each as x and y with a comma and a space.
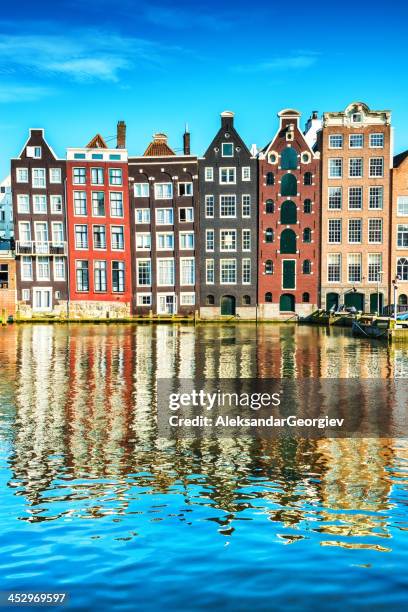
94, 503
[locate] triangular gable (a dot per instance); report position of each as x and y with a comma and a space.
234, 136
97, 142
159, 147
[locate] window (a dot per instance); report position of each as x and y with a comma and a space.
165, 272
268, 297
143, 241
24, 230
334, 235
356, 167
38, 177
305, 297
163, 191
289, 159
289, 185
116, 203
376, 140
115, 176
97, 155
55, 175
402, 268
269, 207
246, 300
187, 299
142, 215
117, 237
164, 216
288, 213
355, 198
402, 236
334, 267
43, 268
270, 178
228, 240
335, 167
57, 234
356, 118
186, 240
269, 235
228, 271
59, 268
307, 206
227, 175
374, 267
306, 158
144, 272
209, 206
97, 176
307, 235
376, 166
246, 271
26, 268
22, 175
100, 275
185, 189
210, 300
335, 198
246, 173
335, 141
80, 203
354, 230
114, 157
402, 206
98, 204
375, 231
376, 197
118, 276
356, 141
354, 267
79, 176
246, 206
187, 271
165, 241
272, 158
246, 239
209, 239
186, 215
228, 206
144, 299
35, 152
308, 178
79, 156
307, 266
209, 271
269, 266
56, 204
25, 295
23, 203
40, 204
209, 174
227, 149
99, 236
141, 190
41, 236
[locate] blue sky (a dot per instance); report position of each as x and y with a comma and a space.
75, 67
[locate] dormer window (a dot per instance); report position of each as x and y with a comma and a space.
37, 152
356, 117
227, 149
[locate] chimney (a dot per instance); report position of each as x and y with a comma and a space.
315, 115
186, 141
121, 135
227, 119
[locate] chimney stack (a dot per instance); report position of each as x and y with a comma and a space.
121, 135
227, 120
186, 141
315, 115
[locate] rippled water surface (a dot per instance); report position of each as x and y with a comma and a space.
94, 503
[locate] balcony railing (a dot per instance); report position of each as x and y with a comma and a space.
39, 247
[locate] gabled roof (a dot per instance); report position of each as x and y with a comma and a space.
158, 147
97, 142
398, 159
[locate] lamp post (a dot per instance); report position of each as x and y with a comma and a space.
379, 278
394, 282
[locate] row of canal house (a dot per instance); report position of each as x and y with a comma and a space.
302, 223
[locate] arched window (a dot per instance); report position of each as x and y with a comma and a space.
307, 178
288, 241
246, 300
307, 234
270, 178
269, 206
269, 235
403, 300
289, 185
210, 301
307, 206
305, 297
288, 213
268, 297
307, 266
269, 266
402, 268
289, 159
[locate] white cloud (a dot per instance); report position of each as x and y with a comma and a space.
279, 64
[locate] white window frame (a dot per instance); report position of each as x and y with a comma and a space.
228, 169
246, 249
233, 232
55, 268
173, 271
209, 267
207, 198
381, 146
228, 261
245, 262
185, 295
246, 173
186, 248
144, 212
158, 191
381, 226
228, 195
190, 260
403, 202
143, 188
140, 260
166, 213
140, 297
144, 237
332, 136
337, 176
58, 172
350, 140
350, 221
53, 199
122, 227
19, 172
186, 183
209, 174
34, 180
23, 209
227, 144
243, 206
166, 235
207, 233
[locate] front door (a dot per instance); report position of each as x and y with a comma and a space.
228, 305
42, 300
167, 304
332, 301
354, 299
376, 303
288, 274
41, 237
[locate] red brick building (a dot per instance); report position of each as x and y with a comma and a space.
98, 229
289, 213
